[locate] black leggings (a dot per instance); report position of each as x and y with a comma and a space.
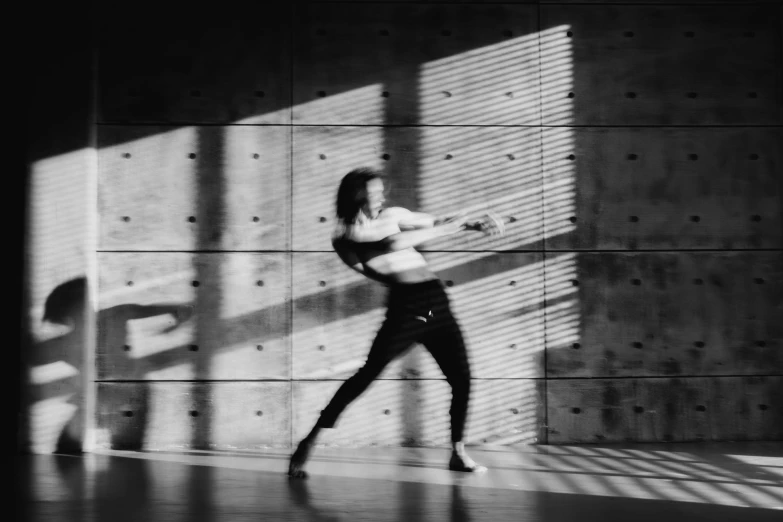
420, 313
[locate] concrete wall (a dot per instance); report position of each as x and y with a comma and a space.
636, 148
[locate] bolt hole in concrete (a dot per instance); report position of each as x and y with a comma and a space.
129, 283
384, 32
260, 347
576, 346
449, 283
192, 155
260, 94
636, 282
571, 95
759, 281
126, 218
632, 157
256, 156
385, 94
193, 348
700, 408
630, 95
322, 347
695, 219
126, 155
699, 344
637, 344
193, 413
638, 409
322, 219
761, 344
321, 283
259, 283
386, 157
628, 34
576, 410
634, 219
195, 283
322, 156
572, 219
387, 412
321, 94
192, 219
259, 413
690, 34
126, 348
256, 219
128, 413
698, 281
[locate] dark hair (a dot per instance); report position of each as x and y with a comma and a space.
352, 194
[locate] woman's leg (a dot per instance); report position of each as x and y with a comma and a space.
392, 340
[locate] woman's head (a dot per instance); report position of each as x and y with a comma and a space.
361, 190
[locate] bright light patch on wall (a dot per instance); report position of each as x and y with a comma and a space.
146, 192
323, 156
48, 419
57, 221
363, 104
495, 84
52, 372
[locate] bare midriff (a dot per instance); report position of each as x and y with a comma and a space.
400, 266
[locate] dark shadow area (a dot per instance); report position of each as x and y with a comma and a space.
65, 307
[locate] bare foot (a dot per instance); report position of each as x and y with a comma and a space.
461, 462
299, 458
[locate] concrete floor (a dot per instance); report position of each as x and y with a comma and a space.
672, 482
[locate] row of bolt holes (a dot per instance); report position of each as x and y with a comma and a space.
259, 413
574, 282
639, 346
192, 413
633, 219
639, 409
515, 411
448, 94
508, 33
387, 157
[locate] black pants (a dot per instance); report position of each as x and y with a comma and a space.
420, 313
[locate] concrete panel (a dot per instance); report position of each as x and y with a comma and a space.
438, 170
191, 65
238, 327
177, 416
656, 410
663, 314
636, 188
415, 64
497, 299
664, 65
416, 413
206, 188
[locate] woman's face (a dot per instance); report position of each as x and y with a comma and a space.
375, 198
